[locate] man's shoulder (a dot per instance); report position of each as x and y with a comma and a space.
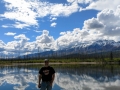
50, 67
42, 68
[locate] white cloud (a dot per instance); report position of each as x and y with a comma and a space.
16, 25
70, 1
45, 42
23, 40
2, 43
102, 4
45, 32
70, 38
2, 46
12, 46
64, 10
118, 10
93, 24
10, 33
19, 11
5, 26
106, 24
21, 37
45, 38
21, 45
62, 33
20, 25
30, 47
38, 31
53, 24
25, 13
81, 1
53, 19
96, 4
70, 80
20, 80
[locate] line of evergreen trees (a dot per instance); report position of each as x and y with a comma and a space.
76, 55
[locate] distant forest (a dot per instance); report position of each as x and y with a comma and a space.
69, 55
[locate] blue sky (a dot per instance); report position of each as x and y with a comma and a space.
56, 24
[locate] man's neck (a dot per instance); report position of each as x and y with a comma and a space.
46, 65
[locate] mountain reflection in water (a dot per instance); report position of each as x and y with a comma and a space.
70, 77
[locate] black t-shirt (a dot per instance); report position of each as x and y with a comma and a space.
46, 73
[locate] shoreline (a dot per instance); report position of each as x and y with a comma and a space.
57, 63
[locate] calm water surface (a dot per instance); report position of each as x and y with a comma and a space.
68, 77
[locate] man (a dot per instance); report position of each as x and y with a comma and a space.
47, 74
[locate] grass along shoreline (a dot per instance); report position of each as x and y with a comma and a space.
59, 61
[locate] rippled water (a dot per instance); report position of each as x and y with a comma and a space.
68, 77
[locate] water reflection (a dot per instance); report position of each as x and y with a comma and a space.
80, 77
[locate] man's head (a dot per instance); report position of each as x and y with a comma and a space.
46, 62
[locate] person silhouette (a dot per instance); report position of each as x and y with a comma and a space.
47, 74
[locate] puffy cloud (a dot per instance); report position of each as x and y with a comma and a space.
64, 10
30, 47
16, 25
11, 46
93, 24
26, 13
45, 42
53, 19
20, 25
45, 32
19, 81
45, 38
67, 79
2, 45
70, 38
107, 16
21, 45
70, 1
101, 4
106, 25
5, 26
23, 40
37, 9
118, 10
38, 31
10, 33
21, 37
53, 24
81, 1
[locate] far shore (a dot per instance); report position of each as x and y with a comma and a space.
55, 63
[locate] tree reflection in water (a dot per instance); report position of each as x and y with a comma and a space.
68, 77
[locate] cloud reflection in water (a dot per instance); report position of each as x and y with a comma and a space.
66, 79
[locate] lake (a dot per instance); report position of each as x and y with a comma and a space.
68, 77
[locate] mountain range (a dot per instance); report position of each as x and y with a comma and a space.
83, 48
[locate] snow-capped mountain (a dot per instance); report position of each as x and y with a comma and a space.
104, 45
97, 46
106, 42
83, 48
